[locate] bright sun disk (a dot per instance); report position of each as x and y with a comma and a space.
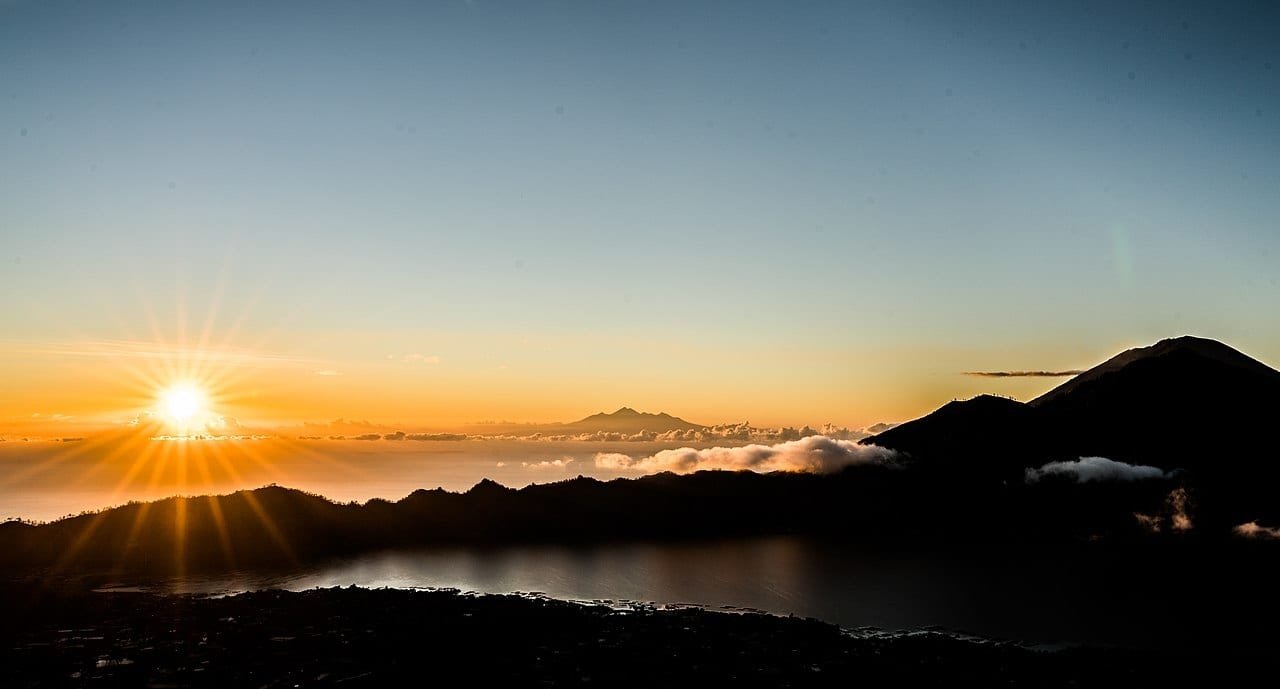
181, 403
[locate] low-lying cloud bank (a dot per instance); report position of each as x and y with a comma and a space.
1087, 469
743, 432
728, 432
813, 454
1024, 374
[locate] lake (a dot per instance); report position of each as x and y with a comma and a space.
1063, 596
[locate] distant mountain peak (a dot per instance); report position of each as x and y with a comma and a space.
1186, 347
629, 420
629, 413
1145, 405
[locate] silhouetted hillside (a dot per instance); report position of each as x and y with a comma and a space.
1177, 355
1002, 432
278, 526
1150, 404
1186, 404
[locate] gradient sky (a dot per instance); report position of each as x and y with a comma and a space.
433, 213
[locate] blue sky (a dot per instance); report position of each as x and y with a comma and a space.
821, 189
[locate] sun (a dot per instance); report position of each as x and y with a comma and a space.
180, 403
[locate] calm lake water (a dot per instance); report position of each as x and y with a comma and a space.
1048, 598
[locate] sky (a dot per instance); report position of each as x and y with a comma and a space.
431, 214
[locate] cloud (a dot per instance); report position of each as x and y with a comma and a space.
349, 426
1088, 469
436, 436
744, 432
424, 358
812, 454
548, 464
1149, 522
52, 417
226, 426
328, 372
1179, 509
1255, 530
1023, 374
365, 436
1177, 515
879, 427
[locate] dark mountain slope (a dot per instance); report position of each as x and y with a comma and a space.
1186, 404
1174, 354
985, 435
275, 526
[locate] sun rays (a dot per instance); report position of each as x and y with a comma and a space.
173, 405
181, 404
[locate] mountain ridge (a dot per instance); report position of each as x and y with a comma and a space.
276, 526
1185, 344
1183, 404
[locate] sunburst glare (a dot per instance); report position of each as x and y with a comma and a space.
181, 404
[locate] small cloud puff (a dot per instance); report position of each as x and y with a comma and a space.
548, 464
1087, 469
811, 454
1256, 530
328, 372
423, 358
1176, 515
879, 427
52, 417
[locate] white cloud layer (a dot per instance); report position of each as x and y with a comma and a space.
1087, 469
812, 454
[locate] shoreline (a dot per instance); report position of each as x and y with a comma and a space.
373, 637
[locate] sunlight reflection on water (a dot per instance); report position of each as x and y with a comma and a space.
1047, 599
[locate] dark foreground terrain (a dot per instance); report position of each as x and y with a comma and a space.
371, 638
